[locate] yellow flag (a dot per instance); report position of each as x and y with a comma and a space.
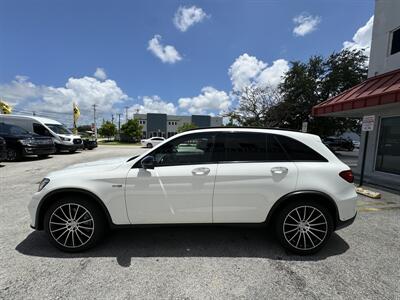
5, 107
77, 112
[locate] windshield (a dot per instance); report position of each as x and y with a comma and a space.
60, 129
12, 129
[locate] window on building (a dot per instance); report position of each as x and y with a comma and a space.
388, 154
395, 47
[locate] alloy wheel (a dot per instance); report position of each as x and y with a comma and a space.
71, 225
305, 227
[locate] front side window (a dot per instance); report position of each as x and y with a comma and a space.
59, 129
388, 156
189, 149
40, 129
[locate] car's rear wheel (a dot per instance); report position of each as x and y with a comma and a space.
149, 145
304, 227
74, 224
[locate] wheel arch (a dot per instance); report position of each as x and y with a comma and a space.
297, 195
50, 197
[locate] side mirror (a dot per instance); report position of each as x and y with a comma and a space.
148, 162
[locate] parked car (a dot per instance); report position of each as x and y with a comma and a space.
338, 144
3, 149
289, 180
151, 142
20, 143
89, 140
63, 138
356, 144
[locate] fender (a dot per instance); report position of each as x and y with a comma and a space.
45, 200
291, 195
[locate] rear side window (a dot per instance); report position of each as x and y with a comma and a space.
297, 151
248, 146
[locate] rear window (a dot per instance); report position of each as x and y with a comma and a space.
297, 151
248, 146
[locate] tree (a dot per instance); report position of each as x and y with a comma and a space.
132, 129
186, 127
255, 106
310, 83
108, 129
83, 128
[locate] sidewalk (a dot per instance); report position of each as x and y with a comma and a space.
388, 201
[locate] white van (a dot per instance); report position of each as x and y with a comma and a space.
63, 138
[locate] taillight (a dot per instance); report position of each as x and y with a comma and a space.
347, 175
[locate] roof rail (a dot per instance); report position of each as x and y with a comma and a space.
243, 127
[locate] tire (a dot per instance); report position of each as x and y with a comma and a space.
304, 227
43, 156
75, 237
149, 145
13, 155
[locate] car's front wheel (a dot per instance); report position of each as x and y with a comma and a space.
149, 145
74, 224
304, 227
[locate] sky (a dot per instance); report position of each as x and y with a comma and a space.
176, 57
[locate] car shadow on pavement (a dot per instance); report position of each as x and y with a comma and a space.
192, 241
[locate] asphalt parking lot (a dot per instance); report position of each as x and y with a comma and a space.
359, 262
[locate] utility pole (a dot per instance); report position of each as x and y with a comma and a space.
119, 125
94, 120
126, 113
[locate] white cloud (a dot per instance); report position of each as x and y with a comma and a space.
186, 17
209, 101
86, 91
100, 74
362, 38
154, 104
167, 54
248, 70
305, 24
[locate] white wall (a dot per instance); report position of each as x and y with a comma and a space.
386, 19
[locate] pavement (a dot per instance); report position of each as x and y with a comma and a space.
224, 262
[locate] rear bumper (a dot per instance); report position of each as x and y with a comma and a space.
342, 224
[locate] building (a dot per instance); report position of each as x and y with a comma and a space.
167, 125
378, 96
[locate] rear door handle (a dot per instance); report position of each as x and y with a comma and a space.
200, 171
279, 170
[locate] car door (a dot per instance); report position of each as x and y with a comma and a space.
253, 172
180, 187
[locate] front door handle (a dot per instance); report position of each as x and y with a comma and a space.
279, 170
200, 171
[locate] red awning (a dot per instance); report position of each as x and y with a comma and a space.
379, 90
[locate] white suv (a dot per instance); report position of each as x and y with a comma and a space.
286, 179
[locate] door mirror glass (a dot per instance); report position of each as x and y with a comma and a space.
148, 162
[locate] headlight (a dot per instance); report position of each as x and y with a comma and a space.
26, 142
43, 183
65, 139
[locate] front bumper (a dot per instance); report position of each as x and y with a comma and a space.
69, 146
33, 208
32, 150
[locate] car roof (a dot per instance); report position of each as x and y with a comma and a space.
279, 131
39, 119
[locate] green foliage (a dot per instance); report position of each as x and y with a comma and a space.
132, 129
107, 129
186, 127
305, 85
